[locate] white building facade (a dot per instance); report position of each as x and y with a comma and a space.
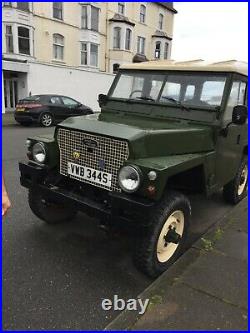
74, 48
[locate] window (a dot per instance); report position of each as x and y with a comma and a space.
58, 10
69, 101
84, 17
23, 6
115, 68
166, 51
121, 8
93, 55
94, 18
212, 91
84, 54
7, 4
117, 38
141, 45
58, 46
237, 96
142, 13
55, 100
160, 25
9, 39
23, 40
157, 50
128, 39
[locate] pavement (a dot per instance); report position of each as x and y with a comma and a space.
206, 289
8, 119
56, 277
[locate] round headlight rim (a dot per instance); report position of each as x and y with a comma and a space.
140, 178
44, 149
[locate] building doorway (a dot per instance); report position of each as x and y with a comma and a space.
10, 93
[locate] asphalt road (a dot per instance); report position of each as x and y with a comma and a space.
55, 277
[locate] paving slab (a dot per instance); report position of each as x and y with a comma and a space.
187, 309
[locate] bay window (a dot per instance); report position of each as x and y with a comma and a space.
23, 40
9, 39
128, 39
117, 38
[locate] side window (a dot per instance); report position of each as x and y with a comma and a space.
212, 92
189, 94
69, 102
55, 100
237, 96
171, 90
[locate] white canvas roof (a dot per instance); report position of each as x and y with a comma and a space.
234, 66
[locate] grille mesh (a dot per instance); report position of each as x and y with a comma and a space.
112, 151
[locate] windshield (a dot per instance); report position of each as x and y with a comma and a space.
197, 90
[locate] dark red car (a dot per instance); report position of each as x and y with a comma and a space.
47, 110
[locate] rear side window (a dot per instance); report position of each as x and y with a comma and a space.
212, 92
55, 100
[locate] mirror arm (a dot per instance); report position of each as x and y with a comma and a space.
224, 131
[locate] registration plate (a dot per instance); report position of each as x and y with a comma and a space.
92, 175
20, 109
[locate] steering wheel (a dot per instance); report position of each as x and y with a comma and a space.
133, 92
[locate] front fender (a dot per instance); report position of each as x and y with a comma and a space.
166, 167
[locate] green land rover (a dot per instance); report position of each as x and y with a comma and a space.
165, 129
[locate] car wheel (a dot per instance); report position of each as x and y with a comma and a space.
236, 189
49, 211
165, 239
46, 119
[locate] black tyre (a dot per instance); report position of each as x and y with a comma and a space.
236, 189
164, 240
48, 211
46, 119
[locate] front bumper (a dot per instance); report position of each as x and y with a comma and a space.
116, 205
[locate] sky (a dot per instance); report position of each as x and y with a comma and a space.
211, 31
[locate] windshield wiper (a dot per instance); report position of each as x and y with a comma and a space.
177, 103
146, 98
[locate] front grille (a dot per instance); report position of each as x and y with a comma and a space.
112, 153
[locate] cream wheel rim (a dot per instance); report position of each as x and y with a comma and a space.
243, 180
165, 247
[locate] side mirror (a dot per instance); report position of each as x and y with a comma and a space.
239, 115
102, 99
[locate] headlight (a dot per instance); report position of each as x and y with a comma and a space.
28, 143
129, 179
39, 152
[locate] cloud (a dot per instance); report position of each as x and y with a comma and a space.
211, 30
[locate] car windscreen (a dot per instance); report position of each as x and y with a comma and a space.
203, 90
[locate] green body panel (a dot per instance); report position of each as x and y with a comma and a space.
147, 137
166, 139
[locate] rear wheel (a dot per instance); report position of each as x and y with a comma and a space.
52, 212
236, 189
164, 241
46, 119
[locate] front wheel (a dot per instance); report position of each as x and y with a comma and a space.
163, 242
236, 189
52, 212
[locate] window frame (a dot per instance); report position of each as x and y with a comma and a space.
7, 35
160, 22
142, 15
128, 39
60, 10
23, 9
143, 39
25, 38
85, 52
56, 44
117, 38
121, 5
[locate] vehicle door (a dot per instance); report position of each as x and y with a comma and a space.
56, 107
230, 145
71, 107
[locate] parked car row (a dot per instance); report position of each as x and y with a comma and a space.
47, 110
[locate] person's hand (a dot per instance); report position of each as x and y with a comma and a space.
5, 202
